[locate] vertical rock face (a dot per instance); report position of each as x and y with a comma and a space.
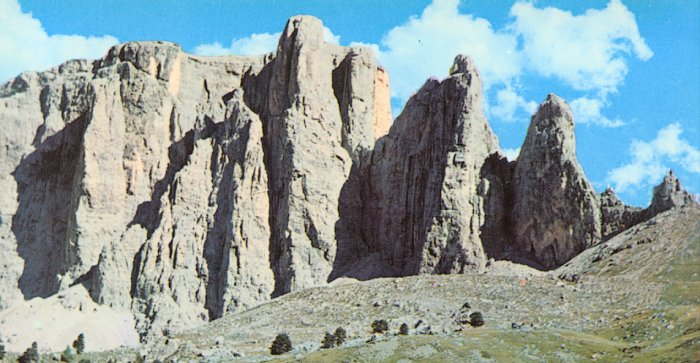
185, 188
616, 216
182, 187
382, 104
318, 115
556, 212
423, 212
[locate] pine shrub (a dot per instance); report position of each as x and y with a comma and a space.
403, 330
30, 355
79, 344
340, 336
328, 341
380, 326
282, 344
67, 355
476, 319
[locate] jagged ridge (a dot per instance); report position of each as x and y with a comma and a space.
185, 188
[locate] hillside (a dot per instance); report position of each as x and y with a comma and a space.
636, 298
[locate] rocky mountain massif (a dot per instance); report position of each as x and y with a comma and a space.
185, 188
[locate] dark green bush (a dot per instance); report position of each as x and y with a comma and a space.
328, 341
67, 355
79, 344
30, 355
340, 336
476, 319
282, 344
2, 351
380, 326
403, 330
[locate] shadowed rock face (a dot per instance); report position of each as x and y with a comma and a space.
186, 188
556, 212
423, 211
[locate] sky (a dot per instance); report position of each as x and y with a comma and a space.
630, 70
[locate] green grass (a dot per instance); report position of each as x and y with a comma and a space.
485, 344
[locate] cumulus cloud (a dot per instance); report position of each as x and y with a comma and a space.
508, 102
25, 45
586, 51
651, 159
587, 111
511, 154
425, 47
255, 44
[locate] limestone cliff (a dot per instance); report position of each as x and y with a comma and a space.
556, 212
423, 212
185, 188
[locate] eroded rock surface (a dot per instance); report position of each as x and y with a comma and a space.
556, 212
423, 211
185, 188
182, 187
617, 216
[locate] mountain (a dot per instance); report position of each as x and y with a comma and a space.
182, 189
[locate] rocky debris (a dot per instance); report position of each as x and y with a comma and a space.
56, 321
644, 249
423, 209
556, 212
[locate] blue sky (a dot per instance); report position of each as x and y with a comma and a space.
629, 69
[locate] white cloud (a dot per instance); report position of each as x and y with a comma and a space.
255, 44
508, 102
587, 111
650, 159
25, 45
511, 154
252, 45
586, 51
425, 47
589, 52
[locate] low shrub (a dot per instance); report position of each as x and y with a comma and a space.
380, 326
340, 336
282, 344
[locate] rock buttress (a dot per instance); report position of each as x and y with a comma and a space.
423, 210
556, 212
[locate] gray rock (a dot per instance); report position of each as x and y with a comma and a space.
556, 212
184, 187
616, 216
187, 188
669, 194
423, 210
